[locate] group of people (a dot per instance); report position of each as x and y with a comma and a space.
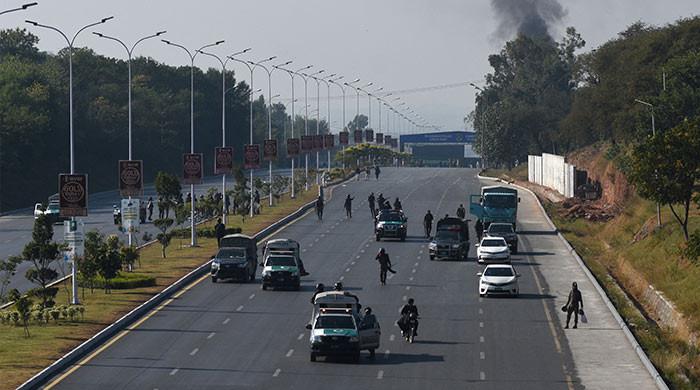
368, 171
428, 219
380, 203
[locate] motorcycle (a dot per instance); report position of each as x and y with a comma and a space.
411, 325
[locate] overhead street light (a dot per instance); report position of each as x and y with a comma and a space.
21, 8
70, 42
192, 56
291, 75
342, 127
653, 132
269, 111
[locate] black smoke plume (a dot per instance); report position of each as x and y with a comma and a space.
533, 18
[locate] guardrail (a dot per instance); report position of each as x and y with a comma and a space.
107, 333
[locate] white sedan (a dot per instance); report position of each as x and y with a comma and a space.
493, 249
499, 279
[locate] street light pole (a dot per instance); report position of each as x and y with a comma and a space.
342, 126
318, 117
328, 111
223, 63
653, 132
70, 42
193, 232
483, 124
291, 75
21, 8
269, 110
129, 53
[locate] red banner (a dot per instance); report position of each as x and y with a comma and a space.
223, 160
328, 141
344, 137
293, 146
318, 142
192, 168
307, 143
369, 135
72, 195
130, 178
270, 149
380, 138
358, 136
252, 156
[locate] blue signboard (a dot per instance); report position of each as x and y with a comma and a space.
437, 138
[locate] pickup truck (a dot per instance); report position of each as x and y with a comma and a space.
52, 212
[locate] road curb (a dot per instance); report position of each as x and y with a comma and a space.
110, 331
658, 379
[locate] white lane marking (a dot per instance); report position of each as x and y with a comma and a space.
386, 354
174, 371
408, 287
301, 336
211, 335
481, 299
481, 324
420, 251
392, 337
411, 278
322, 235
482, 355
194, 351
341, 278
316, 240
251, 296
353, 262
310, 245
277, 372
367, 245
404, 298
413, 271
226, 321
362, 251
347, 269
303, 250
482, 376
481, 339
357, 257
239, 308
290, 352
380, 374
481, 311
417, 262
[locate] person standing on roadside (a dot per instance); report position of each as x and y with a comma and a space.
319, 208
348, 206
461, 212
479, 227
149, 206
428, 223
370, 202
220, 231
161, 208
573, 305
384, 265
376, 171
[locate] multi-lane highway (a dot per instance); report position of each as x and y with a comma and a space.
229, 335
16, 228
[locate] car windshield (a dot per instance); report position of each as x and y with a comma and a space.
447, 235
335, 322
492, 243
287, 261
501, 228
498, 271
230, 253
500, 201
392, 217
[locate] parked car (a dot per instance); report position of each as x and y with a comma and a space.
498, 279
493, 249
505, 230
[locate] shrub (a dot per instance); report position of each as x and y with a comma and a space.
123, 281
692, 248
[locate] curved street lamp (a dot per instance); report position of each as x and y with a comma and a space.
269, 108
21, 8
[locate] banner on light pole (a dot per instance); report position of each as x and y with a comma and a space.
192, 168
73, 195
252, 156
223, 160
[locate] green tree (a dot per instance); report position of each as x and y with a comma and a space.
164, 236
42, 252
359, 122
167, 186
111, 261
666, 167
23, 304
89, 264
7, 271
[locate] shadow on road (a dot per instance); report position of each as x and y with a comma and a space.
406, 358
436, 342
535, 254
538, 232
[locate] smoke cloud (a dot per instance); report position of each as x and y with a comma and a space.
533, 18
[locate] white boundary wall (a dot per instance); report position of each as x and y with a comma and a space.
551, 170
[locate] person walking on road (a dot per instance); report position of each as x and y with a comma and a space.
376, 171
573, 305
428, 223
319, 208
370, 202
161, 208
384, 265
461, 212
348, 206
149, 206
220, 231
479, 227
357, 173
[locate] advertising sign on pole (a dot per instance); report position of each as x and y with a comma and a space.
328, 141
130, 177
380, 138
252, 156
307, 143
130, 214
270, 149
344, 137
73, 195
223, 160
74, 236
192, 168
293, 147
369, 135
358, 136
318, 142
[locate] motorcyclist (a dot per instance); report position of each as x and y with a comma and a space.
397, 205
461, 212
428, 223
406, 311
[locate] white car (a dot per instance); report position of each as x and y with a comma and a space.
493, 249
499, 279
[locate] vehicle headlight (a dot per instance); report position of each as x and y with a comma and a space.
315, 339
402, 227
266, 273
354, 339
215, 265
432, 245
455, 246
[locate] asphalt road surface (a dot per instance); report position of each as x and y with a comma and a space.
230, 335
16, 228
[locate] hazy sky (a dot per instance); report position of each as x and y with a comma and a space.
396, 44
